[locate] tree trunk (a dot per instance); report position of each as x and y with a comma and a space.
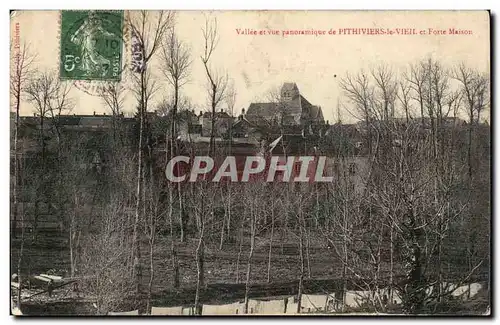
173, 252
229, 192
152, 223
151, 261
222, 229
229, 208
301, 277
239, 255
16, 204
212, 131
391, 266
174, 150
270, 246
249, 264
345, 257
39, 194
308, 256
413, 298
469, 145
182, 217
19, 263
200, 273
16, 171
200, 250
136, 243
72, 234
42, 138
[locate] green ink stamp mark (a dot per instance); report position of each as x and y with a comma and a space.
91, 45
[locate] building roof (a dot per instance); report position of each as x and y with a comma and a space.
82, 121
304, 102
262, 109
311, 111
217, 115
316, 113
241, 121
293, 106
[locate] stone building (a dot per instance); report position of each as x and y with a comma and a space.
290, 108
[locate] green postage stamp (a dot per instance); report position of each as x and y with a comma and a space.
91, 45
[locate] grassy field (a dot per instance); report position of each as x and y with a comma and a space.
50, 254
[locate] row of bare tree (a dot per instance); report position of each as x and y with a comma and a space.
428, 176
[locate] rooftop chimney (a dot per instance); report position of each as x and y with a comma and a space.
242, 114
94, 113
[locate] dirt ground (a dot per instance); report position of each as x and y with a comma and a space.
51, 255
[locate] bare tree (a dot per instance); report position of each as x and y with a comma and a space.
22, 60
148, 32
270, 253
252, 194
416, 79
359, 93
404, 98
281, 110
42, 91
113, 96
202, 198
410, 185
154, 213
385, 92
299, 203
104, 261
61, 104
50, 97
230, 100
474, 88
217, 82
21, 70
176, 60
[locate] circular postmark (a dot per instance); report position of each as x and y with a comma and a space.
93, 44
97, 87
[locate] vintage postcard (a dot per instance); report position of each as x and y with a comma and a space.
250, 163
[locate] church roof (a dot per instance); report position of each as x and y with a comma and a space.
297, 105
265, 110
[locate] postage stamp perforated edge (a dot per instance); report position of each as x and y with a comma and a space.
122, 36
92, 86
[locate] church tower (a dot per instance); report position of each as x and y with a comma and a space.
290, 99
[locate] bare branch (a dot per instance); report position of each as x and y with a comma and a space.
176, 60
113, 96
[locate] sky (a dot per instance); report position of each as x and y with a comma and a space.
258, 63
